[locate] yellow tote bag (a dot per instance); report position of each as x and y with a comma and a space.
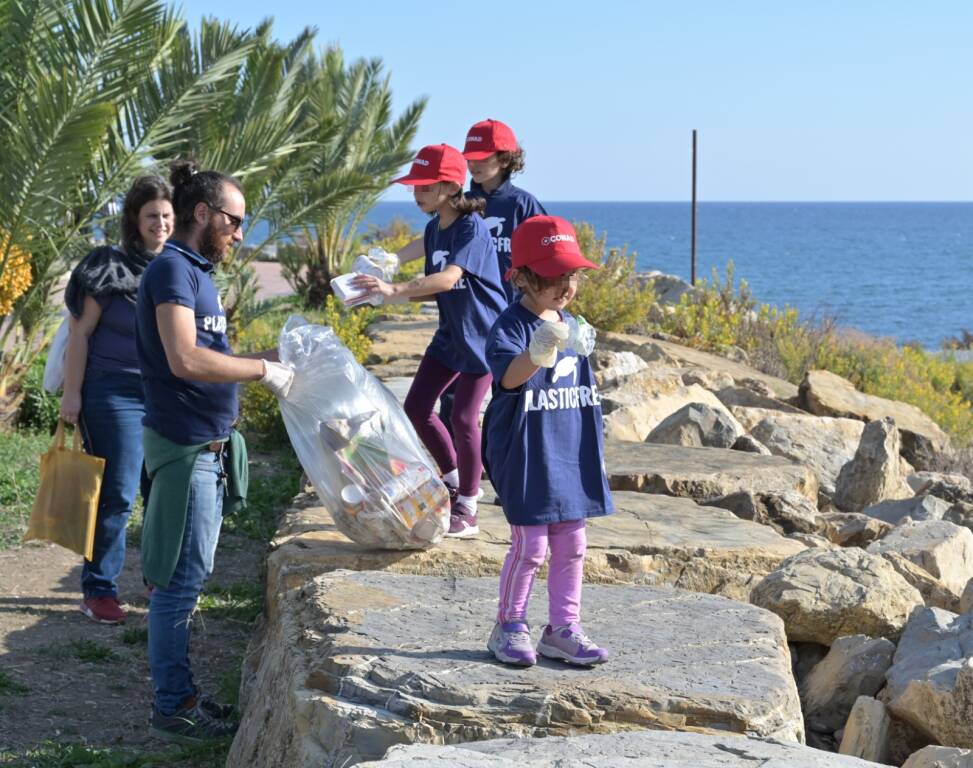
67, 499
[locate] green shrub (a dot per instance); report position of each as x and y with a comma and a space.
718, 314
39, 409
609, 298
19, 473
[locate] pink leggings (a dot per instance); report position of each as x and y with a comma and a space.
528, 548
432, 379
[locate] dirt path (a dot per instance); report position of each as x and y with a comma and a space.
86, 682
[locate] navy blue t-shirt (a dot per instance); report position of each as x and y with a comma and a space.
506, 207
466, 312
542, 442
111, 348
181, 410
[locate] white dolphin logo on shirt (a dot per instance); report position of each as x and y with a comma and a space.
566, 366
495, 222
439, 259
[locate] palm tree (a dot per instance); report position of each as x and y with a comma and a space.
82, 110
359, 147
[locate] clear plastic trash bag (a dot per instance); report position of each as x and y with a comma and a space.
357, 446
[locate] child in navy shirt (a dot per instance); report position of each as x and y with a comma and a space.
543, 446
493, 156
461, 272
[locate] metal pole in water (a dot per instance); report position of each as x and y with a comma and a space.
692, 279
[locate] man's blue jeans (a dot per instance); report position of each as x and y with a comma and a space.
171, 608
112, 407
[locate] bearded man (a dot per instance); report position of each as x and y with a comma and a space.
194, 458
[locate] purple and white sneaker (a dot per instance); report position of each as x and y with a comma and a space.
462, 522
510, 643
570, 644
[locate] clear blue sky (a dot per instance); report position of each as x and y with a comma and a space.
825, 100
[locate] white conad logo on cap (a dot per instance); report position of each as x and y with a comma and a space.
557, 239
420, 161
472, 137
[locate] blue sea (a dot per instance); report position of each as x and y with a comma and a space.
902, 270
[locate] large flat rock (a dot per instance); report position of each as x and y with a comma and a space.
355, 662
702, 473
651, 539
697, 358
401, 337
643, 749
828, 394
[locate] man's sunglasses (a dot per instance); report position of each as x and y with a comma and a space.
236, 221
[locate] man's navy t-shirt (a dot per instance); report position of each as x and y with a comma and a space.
183, 411
469, 309
506, 207
542, 442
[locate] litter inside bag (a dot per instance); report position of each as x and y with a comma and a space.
357, 445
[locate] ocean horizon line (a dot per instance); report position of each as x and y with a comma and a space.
549, 201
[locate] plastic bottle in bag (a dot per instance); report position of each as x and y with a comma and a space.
581, 337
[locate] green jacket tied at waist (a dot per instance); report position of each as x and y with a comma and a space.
170, 468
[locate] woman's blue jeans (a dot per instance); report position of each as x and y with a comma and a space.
171, 607
112, 407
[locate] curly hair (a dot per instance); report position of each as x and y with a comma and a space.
145, 189
191, 186
512, 162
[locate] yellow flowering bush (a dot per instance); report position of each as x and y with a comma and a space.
16, 276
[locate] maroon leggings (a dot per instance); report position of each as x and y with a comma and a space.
431, 381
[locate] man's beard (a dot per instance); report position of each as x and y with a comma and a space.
210, 247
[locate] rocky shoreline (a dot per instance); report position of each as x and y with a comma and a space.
787, 566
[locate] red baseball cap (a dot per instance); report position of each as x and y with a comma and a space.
488, 137
437, 162
548, 245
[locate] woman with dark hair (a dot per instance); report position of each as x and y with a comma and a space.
102, 383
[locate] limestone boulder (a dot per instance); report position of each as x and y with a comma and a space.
691, 357
934, 593
707, 378
640, 402
697, 425
828, 394
824, 594
651, 539
918, 508
951, 487
945, 550
611, 367
854, 529
874, 474
940, 757
823, 444
355, 662
855, 666
641, 749
702, 473
788, 512
867, 732
930, 682
745, 397
966, 599
960, 513
750, 444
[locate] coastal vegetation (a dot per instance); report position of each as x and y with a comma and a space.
96, 92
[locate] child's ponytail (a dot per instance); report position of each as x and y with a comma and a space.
464, 205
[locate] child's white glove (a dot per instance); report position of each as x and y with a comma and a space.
277, 378
547, 340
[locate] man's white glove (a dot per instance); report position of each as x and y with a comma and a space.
277, 378
545, 343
